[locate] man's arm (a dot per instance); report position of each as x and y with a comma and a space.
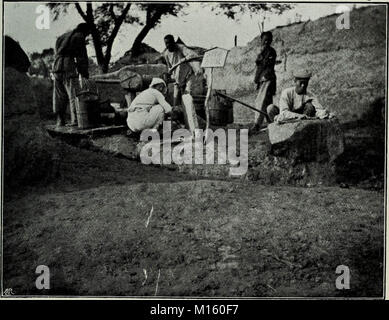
80, 53
162, 101
321, 112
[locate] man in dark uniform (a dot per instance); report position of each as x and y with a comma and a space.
71, 60
265, 77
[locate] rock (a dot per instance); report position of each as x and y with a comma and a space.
15, 56
117, 144
153, 70
307, 140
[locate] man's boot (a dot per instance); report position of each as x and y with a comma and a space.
73, 119
60, 120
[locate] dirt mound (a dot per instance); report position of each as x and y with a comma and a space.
147, 55
43, 89
19, 97
348, 65
30, 155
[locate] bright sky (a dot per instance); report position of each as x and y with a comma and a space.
199, 27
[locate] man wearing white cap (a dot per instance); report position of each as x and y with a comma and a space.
148, 109
297, 102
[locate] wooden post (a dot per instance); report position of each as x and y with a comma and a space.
210, 82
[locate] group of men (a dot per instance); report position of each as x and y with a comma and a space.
149, 108
295, 102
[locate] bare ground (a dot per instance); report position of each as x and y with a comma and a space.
203, 237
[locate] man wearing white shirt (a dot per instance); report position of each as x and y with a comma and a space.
148, 109
297, 102
183, 72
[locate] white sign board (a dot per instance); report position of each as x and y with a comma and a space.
214, 58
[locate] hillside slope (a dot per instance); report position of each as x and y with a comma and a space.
348, 65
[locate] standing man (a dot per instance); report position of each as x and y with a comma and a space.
183, 72
71, 60
297, 102
265, 77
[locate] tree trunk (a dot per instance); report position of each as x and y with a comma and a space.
104, 66
136, 46
118, 22
151, 21
101, 61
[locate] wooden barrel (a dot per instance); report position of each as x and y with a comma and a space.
87, 110
220, 110
199, 104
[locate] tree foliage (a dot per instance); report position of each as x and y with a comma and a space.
106, 19
235, 10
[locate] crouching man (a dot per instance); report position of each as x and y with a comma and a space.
148, 109
297, 102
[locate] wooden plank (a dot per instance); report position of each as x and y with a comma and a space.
107, 81
190, 113
214, 58
74, 131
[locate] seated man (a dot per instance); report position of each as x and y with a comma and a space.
297, 102
148, 109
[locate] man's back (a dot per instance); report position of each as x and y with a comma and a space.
70, 47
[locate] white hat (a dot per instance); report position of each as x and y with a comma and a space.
156, 81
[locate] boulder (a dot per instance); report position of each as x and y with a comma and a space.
15, 56
153, 70
118, 145
307, 140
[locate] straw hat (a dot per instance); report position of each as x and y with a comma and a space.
302, 74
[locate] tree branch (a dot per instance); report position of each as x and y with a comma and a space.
89, 12
82, 14
113, 16
125, 11
115, 30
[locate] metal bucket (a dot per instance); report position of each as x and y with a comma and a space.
87, 110
199, 104
220, 111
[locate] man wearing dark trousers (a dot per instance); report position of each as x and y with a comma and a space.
71, 60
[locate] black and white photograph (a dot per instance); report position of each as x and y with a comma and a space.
193, 150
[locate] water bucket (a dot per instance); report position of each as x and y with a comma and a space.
87, 109
199, 102
220, 110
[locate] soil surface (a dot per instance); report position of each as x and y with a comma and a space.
110, 226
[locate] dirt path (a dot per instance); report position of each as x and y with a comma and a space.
95, 230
